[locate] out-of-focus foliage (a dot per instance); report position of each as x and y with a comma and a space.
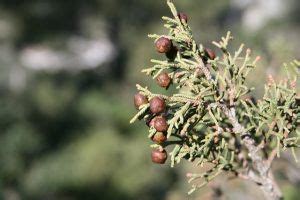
64, 128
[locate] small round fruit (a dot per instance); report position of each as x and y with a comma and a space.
158, 156
150, 123
210, 53
159, 137
157, 105
163, 80
139, 100
160, 124
183, 17
163, 45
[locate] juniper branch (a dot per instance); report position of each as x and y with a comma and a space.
209, 112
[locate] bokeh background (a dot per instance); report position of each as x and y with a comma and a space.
68, 70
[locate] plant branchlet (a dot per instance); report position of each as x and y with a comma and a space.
213, 119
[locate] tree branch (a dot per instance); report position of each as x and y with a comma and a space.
268, 184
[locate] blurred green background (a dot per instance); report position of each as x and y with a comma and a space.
67, 77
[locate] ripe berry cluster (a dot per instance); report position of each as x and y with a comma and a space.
157, 105
158, 122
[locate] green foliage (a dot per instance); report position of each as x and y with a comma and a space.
55, 119
212, 117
